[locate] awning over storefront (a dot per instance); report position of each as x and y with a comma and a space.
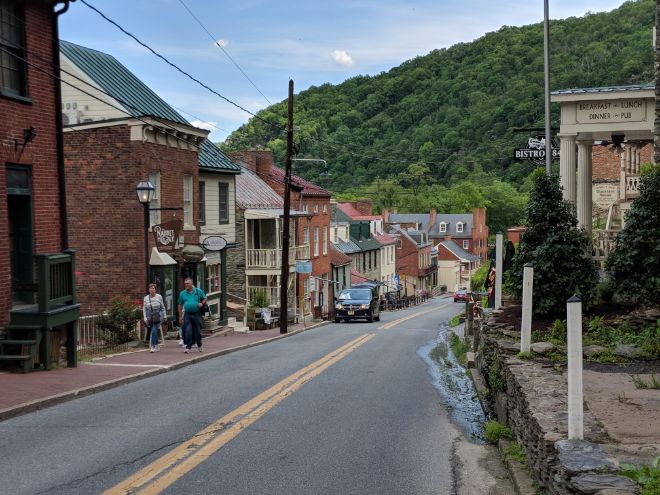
160, 259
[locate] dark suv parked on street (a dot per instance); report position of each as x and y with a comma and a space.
359, 301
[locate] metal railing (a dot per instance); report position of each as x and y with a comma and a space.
272, 293
603, 245
56, 284
94, 341
272, 258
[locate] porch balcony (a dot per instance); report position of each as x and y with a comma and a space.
271, 259
55, 306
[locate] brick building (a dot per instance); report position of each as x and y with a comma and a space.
313, 231
415, 263
118, 132
36, 285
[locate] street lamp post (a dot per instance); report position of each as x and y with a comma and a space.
145, 192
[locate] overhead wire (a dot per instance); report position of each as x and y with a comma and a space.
215, 42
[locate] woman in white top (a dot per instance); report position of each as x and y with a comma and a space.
153, 310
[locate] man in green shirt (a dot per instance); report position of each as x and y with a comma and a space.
191, 301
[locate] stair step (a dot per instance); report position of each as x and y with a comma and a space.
14, 357
17, 342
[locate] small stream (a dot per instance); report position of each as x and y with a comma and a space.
453, 385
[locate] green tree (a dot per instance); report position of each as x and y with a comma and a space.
555, 246
634, 264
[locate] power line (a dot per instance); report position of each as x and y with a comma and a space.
171, 64
44, 71
215, 42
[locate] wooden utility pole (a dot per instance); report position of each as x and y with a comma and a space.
284, 274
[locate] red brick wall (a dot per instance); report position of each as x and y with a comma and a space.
106, 223
40, 154
479, 233
606, 162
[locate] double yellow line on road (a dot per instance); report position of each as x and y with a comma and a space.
167, 469
406, 318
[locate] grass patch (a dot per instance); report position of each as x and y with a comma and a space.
493, 431
455, 320
526, 355
607, 356
639, 382
647, 477
514, 452
459, 348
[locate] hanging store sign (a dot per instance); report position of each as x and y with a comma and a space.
303, 266
535, 151
166, 235
214, 243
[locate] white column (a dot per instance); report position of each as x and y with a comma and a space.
498, 270
584, 184
526, 326
574, 344
567, 166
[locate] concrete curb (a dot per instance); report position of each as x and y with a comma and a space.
53, 400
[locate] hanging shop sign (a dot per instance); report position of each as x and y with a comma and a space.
535, 151
214, 243
303, 266
166, 235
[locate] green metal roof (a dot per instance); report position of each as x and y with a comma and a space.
137, 98
212, 158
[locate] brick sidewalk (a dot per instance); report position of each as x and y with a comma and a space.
23, 393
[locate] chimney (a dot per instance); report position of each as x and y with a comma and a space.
385, 213
264, 163
247, 158
447, 237
433, 216
365, 207
257, 161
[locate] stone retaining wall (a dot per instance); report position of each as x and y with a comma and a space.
531, 398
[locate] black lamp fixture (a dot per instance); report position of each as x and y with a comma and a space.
145, 192
28, 136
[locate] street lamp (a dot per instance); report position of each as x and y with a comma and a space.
145, 192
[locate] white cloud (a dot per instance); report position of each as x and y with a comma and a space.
342, 58
222, 43
209, 125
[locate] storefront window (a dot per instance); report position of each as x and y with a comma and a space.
213, 278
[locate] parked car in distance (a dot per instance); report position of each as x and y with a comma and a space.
461, 295
360, 301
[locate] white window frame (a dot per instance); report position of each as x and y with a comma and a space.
443, 227
459, 227
466, 243
316, 241
325, 209
325, 240
213, 274
316, 208
187, 202
154, 212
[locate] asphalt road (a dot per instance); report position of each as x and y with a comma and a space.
345, 408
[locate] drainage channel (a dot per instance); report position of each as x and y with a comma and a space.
454, 385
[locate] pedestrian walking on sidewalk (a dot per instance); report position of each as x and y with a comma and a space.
153, 311
191, 301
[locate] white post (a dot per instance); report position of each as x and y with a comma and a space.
575, 411
498, 270
526, 328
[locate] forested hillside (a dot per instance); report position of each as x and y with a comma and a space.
451, 116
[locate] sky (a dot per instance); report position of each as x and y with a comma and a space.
247, 50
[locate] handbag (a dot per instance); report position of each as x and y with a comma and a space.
155, 317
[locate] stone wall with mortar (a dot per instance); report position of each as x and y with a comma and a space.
531, 399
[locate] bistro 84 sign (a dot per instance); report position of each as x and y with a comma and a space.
535, 150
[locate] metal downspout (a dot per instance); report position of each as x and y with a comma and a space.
61, 182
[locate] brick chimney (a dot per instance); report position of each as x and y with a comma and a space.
258, 161
447, 237
385, 213
433, 216
364, 206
